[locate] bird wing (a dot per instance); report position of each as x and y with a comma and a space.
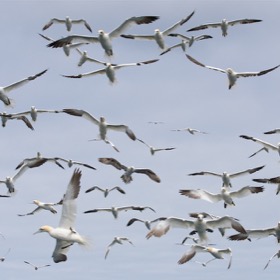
276, 130
122, 128
246, 191
274, 180
113, 162
273, 256
131, 221
94, 188
252, 74
249, 171
72, 39
203, 65
201, 194
99, 71
61, 248
69, 208
226, 222
177, 24
204, 26
243, 21
75, 21
264, 143
118, 189
149, 173
24, 81
253, 233
261, 149
205, 173
130, 21
81, 113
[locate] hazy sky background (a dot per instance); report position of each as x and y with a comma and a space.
174, 91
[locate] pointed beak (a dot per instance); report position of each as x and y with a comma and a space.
38, 231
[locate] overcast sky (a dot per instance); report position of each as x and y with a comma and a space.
173, 91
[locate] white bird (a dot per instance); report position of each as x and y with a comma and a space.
200, 226
268, 146
226, 177
192, 131
274, 180
110, 69
3, 258
65, 234
71, 162
115, 210
126, 177
66, 48
231, 74
158, 35
216, 253
257, 233
224, 24
49, 206
6, 89
105, 191
277, 254
186, 42
5, 117
68, 23
103, 125
35, 266
153, 150
116, 240
105, 39
225, 195
33, 112
84, 57
145, 222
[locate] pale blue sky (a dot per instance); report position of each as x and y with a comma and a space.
173, 91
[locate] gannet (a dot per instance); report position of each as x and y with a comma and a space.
103, 125
65, 234
231, 74
115, 210
227, 176
71, 162
5, 90
216, 253
105, 39
105, 191
146, 222
110, 69
224, 24
225, 195
35, 266
5, 117
68, 23
158, 35
126, 177
266, 145
153, 150
116, 240
190, 130
200, 226
186, 42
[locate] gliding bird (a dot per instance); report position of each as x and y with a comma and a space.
231, 74
116, 240
35, 266
153, 150
105, 191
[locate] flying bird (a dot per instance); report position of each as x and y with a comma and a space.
5, 90
192, 131
274, 180
224, 25
116, 240
231, 74
66, 48
68, 23
3, 258
225, 195
110, 69
103, 125
154, 150
71, 162
49, 206
65, 234
267, 146
226, 177
216, 253
115, 210
277, 254
200, 226
126, 177
105, 191
35, 266
5, 117
105, 39
186, 42
158, 35
145, 222
276, 130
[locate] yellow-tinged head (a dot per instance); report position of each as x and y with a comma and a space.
43, 229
